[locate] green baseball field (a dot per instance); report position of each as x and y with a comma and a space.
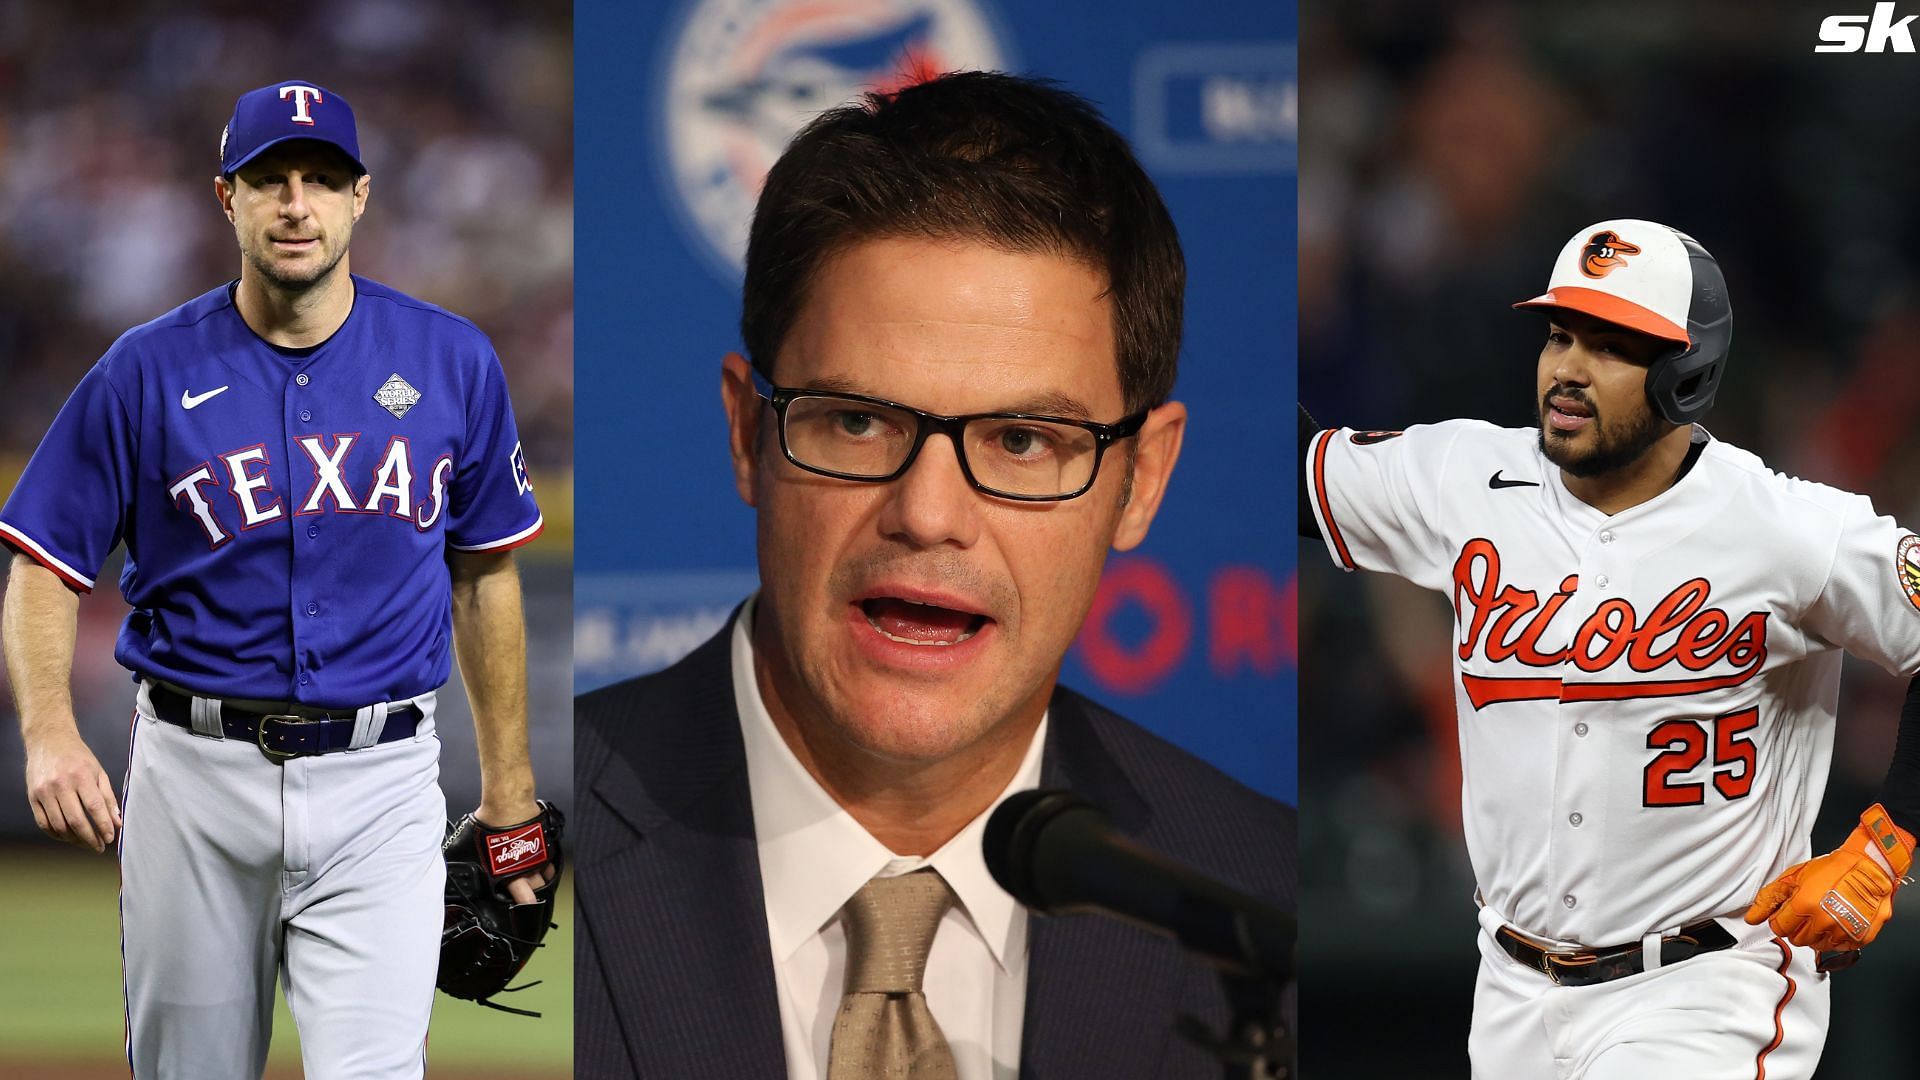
60, 1007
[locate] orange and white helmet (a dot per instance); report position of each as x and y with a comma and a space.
1659, 281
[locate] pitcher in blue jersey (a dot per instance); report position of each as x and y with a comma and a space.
319, 484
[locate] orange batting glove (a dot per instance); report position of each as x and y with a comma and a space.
1840, 900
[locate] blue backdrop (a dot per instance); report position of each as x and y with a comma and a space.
679, 109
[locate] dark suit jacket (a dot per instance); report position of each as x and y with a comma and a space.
673, 974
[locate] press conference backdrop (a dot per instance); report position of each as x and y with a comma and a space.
682, 106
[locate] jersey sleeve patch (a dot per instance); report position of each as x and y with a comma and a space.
491, 498
1906, 566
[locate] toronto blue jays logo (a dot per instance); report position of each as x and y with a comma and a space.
746, 75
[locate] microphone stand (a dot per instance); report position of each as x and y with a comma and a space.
1257, 1044
1055, 853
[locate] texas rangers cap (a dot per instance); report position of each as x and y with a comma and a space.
1634, 273
282, 112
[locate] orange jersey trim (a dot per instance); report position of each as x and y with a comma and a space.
1779, 1014
1326, 507
1484, 690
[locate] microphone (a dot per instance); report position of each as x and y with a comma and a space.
1056, 853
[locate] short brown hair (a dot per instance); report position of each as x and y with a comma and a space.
1015, 162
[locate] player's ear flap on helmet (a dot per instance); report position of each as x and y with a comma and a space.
1682, 384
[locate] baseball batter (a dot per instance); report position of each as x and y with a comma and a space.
318, 482
1648, 635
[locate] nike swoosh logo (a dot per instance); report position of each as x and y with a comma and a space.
189, 401
1497, 482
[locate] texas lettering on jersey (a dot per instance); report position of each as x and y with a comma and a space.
394, 486
1680, 633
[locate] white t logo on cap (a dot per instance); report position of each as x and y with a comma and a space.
302, 96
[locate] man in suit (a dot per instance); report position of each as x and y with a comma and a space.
961, 316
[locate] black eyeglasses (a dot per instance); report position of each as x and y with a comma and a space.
1008, 455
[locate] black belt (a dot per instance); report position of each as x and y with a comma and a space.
1585, 967
282, 734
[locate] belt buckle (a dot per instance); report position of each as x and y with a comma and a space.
260, 734
1556, 961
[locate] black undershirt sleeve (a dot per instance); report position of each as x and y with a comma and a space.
1900, 794
1308, 528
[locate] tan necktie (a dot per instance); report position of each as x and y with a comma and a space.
884, 1030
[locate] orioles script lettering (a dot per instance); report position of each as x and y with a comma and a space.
1680, 633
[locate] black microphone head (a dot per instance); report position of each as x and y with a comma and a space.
1011, 834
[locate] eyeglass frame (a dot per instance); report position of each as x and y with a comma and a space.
953, 427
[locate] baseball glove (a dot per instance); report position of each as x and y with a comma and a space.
487, 937
1838, 902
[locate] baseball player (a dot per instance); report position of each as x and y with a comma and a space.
1649, 626
316, 479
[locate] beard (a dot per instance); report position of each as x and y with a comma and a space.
1616, 443
293, 280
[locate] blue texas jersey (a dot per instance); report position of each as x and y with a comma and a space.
287, 513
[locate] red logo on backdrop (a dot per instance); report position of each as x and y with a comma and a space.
1249, 624
1505, 623
1135, 670
517, 851
1252, 621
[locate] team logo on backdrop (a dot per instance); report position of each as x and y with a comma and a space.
396, 395
1906, 563
745, 75
1605, 252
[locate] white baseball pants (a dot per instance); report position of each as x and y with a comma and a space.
1756, 1011
236, 869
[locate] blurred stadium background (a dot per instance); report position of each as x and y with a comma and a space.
684, 105
1449, 151
110, 118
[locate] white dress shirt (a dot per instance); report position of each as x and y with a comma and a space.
814, 856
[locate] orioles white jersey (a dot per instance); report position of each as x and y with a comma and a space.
1646, 699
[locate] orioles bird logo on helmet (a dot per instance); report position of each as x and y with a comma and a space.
1605, 252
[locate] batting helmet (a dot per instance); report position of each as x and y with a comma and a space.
1659, 281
